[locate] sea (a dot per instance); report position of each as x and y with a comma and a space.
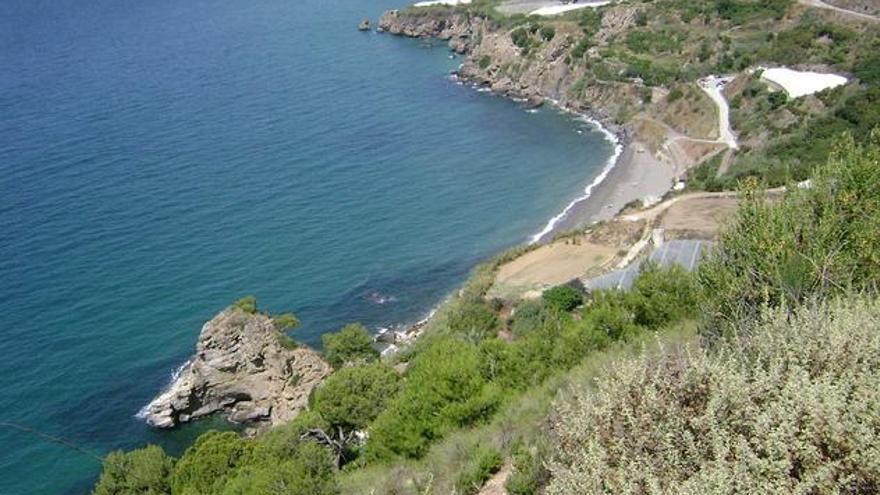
160, 159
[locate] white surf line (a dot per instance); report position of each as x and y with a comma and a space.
712, 86
588, 191
144, 412
561, 9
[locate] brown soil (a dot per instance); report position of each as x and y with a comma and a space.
550, 265
697, 218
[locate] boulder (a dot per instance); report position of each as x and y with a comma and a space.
364, 25
242, 367
533, 101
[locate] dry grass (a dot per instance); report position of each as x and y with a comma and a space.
551, 265
693, 114
792, 409
698, 217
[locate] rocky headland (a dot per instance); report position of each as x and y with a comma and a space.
539, 72
496, 62
245, 366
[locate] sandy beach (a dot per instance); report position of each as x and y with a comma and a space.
637, 175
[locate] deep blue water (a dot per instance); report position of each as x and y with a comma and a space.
159, 159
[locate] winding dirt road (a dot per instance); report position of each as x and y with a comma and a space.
819, 4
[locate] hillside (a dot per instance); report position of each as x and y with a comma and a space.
753, 373
637, 66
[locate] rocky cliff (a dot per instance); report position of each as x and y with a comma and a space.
543, 70
242, 367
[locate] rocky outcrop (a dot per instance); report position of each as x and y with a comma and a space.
547, 73
457, 28
364, 25
243, 367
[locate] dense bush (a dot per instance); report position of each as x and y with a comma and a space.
474, 321
529, 316
285, 321
740, 12
563, 298
520, 37
662, 295
310, 471
139, 472
248, 304
353, 396
529, 473
443, 389
225, 464
868, 69
791, 409
590, 21
815, 242
483, 461
352, 344
204, 468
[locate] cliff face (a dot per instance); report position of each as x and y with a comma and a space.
543, 72
240, 367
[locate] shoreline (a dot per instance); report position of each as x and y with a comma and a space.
618, 143
631, 173
620, 182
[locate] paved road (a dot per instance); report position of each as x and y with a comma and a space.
712, 86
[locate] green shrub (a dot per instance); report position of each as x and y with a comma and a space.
142, 471
443, 389
590, 21
482, 463
530, 474
641, 18
548, 33
248, 304
485, 62
528, 317
353, 396
610, 314
285, 321
740, 12
816, 242
867, 69
580, 48
309, 471
352, 344
520, 37
662, 295
562, 298
204, 467
791, 409
473, 319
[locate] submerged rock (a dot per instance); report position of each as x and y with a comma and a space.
241, 366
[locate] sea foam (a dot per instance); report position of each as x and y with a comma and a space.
588, 191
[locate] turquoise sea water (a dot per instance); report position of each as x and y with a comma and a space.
159, 159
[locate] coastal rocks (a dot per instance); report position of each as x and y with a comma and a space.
457, 28
532, 102
493, 61
242, 367
364, 25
